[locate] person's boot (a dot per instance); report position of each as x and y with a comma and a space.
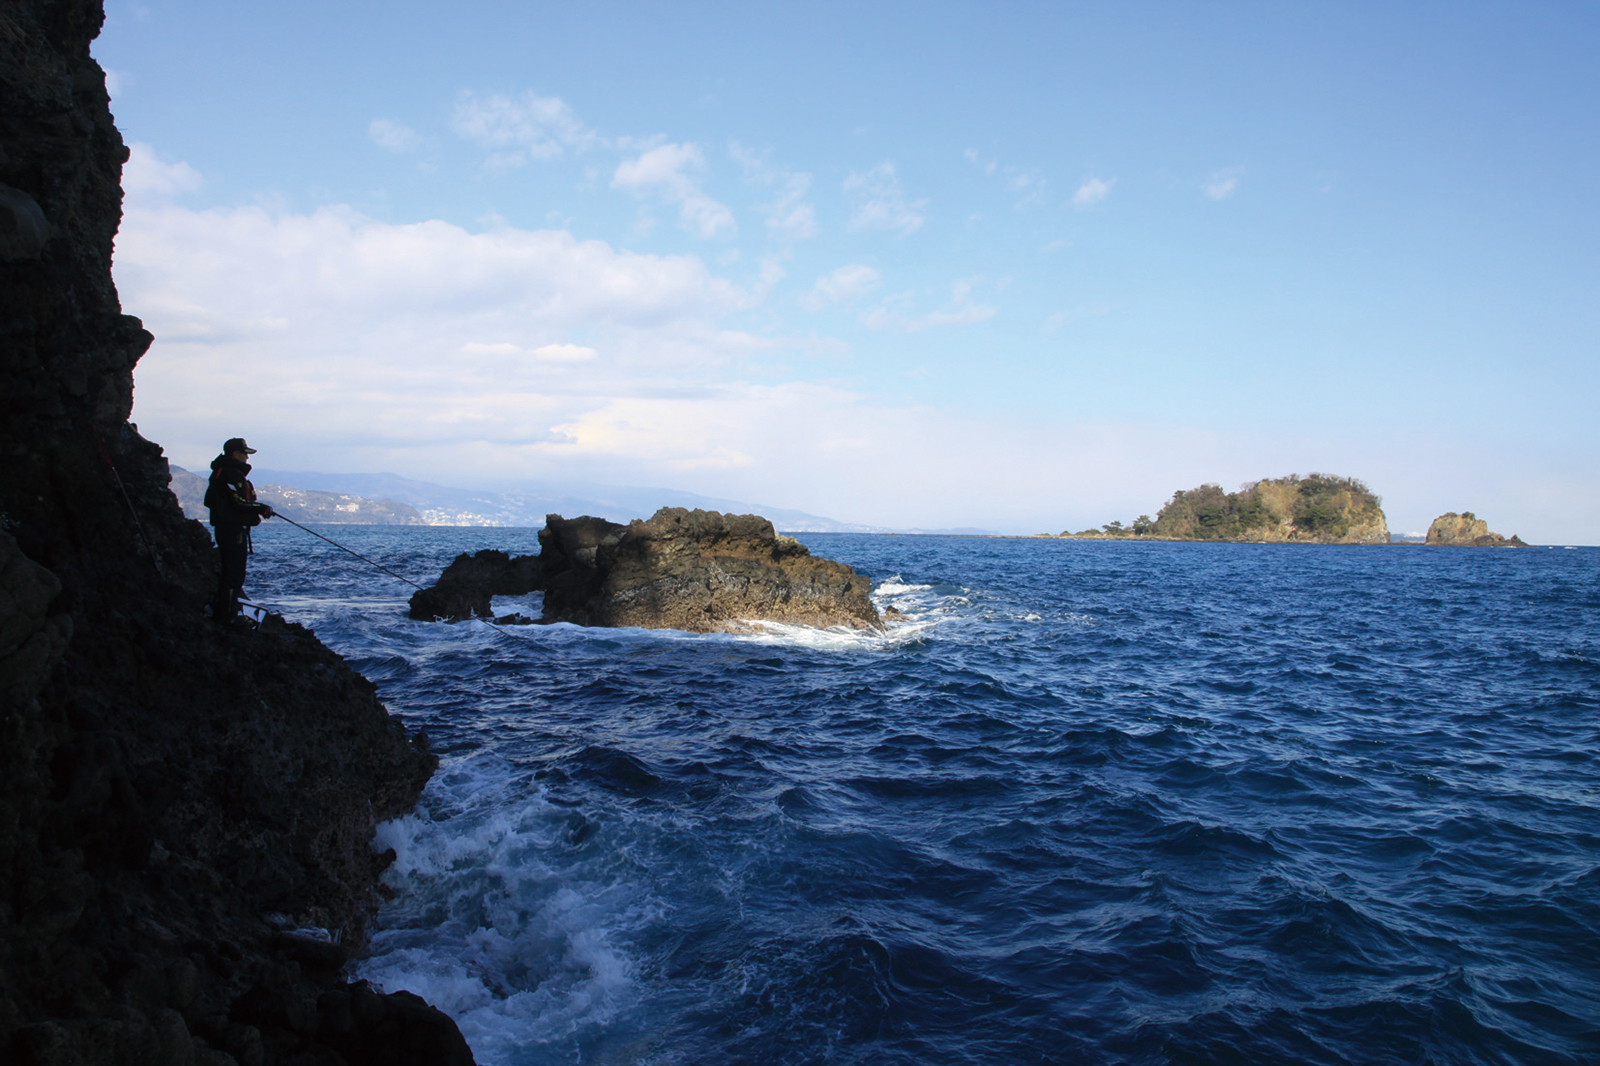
226, 607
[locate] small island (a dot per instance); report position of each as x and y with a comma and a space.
1467, 530
1315, 509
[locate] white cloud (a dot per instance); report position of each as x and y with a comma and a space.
1223, 183
351, 336
663, 167
521, 128
847, 283
868, 460
789, 216
1054, 322
1026, 185
548, 353
1091, 192
881, 203
671, 171
346, 343
391, 136
960, 311
565, 353
144, 174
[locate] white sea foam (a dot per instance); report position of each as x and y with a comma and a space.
531, 605
501, 923
894, 586
835, 638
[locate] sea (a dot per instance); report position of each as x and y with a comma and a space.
1092, 802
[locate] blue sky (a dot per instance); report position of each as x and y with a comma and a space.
1022, 266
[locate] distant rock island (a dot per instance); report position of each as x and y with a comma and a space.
701, 571
1315, 509
303, 505
1467, 530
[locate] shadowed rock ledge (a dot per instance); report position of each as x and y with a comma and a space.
701, 571
176, 800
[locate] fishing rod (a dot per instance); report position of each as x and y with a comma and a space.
341, 547
496, 626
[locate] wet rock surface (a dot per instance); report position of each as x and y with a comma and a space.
175, 797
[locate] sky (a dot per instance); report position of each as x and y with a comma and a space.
1028, 267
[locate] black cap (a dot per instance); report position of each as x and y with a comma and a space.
237, 444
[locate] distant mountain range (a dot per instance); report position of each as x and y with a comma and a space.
388, 499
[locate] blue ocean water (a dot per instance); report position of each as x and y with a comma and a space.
1093, 803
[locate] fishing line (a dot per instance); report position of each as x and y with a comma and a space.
358, 555
498, 628
138, 525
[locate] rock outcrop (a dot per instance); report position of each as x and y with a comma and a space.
1467, 530
175, 798
467, 585
702, 571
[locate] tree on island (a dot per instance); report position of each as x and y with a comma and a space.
1317, 508
1320, 507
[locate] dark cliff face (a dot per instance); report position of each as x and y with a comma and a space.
172, 796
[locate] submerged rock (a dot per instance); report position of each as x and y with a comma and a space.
1467, 530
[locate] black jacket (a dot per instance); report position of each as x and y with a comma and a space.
230, 496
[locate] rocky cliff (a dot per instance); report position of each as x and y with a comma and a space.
1467, 530
176, 800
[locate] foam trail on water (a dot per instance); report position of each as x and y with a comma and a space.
501, 920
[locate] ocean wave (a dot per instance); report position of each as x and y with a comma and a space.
1090, 802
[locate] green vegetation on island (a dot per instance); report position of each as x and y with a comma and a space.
1315, 509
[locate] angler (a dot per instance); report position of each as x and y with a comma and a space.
234, 510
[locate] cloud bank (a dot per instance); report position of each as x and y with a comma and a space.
336, 341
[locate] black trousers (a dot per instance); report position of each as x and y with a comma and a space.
234, 544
